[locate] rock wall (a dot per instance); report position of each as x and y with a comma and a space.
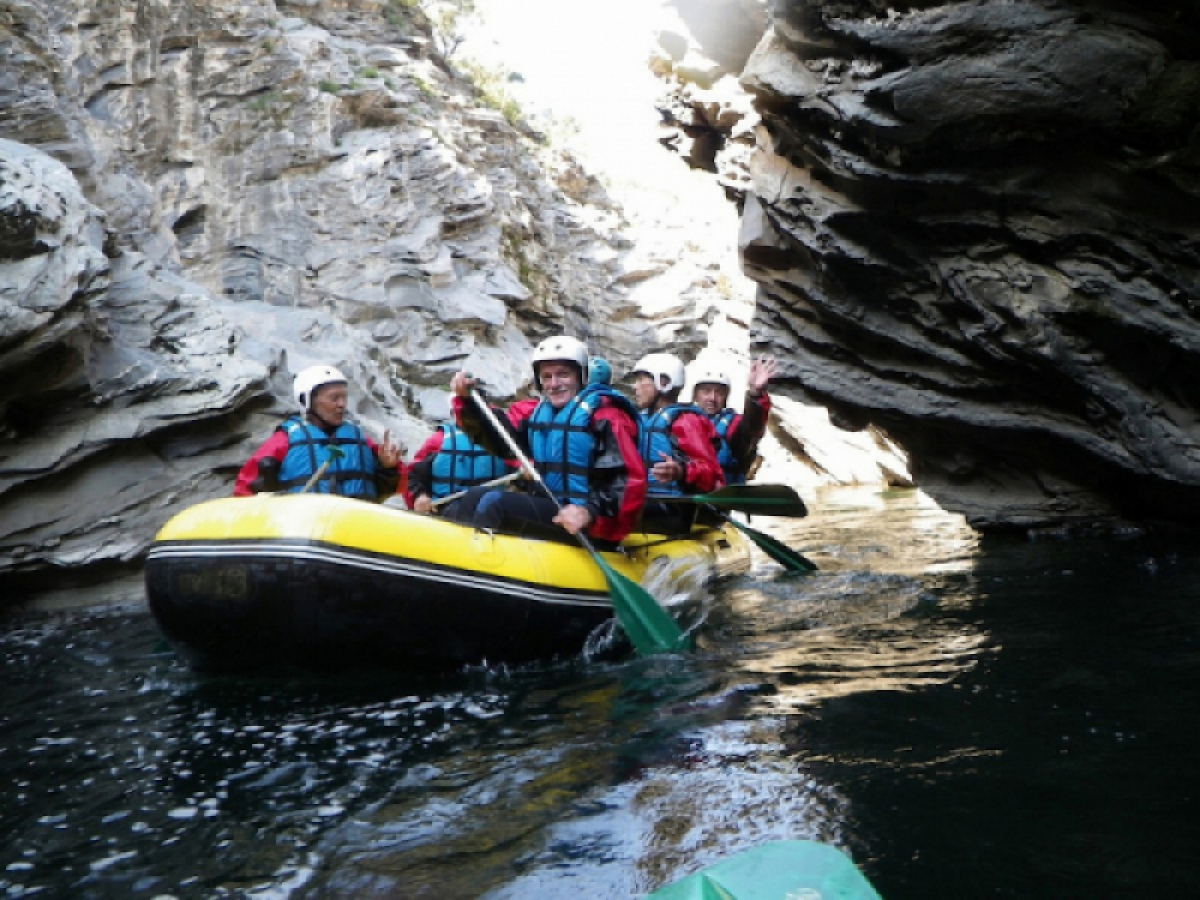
976, 226
197, 199
973, 225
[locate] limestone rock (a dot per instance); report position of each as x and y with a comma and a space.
197, 199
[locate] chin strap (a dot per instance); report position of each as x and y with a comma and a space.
321, 423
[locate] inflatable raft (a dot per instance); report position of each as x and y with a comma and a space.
323, 582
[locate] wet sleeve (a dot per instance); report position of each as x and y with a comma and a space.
420, 480
607, 479
618, 478
256, 476
420, 470
694, 436
748, 429
479, 430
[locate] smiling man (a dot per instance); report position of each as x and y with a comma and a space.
321, 441
676, 444
582, 439
739, 433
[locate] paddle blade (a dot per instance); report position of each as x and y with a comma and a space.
777, 550
650, 628
758, 499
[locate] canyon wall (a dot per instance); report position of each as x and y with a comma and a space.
198, 199
976, 226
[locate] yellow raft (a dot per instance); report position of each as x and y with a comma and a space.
324, 582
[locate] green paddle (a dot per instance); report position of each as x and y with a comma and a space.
758, 499
777, 550
649, 627
495, 482
335, 453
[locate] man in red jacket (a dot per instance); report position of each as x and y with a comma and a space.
677, 444
581, 437
739, 433
320, 445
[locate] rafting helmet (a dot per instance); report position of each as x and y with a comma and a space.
561, 349
310, 379
666, 370
711, 375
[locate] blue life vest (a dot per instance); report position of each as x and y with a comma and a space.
461, 464
351, 475
656, 438
561, 441
721, 421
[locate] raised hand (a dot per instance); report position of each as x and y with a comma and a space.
762, 370
461, 384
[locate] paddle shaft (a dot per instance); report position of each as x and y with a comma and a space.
495, 482
754, 499
312, 482
647, 624
777, 550
519, 455
334, 454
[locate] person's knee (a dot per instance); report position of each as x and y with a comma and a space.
489, 510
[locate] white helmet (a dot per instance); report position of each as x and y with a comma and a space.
310, 379
665, 369
711, 375
562, 349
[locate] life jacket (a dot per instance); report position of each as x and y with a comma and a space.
722, 422
351, 475
655, 438
561, 441
461, 464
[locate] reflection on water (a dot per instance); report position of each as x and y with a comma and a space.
966, 718
870, 619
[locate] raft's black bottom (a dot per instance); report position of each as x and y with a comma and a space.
314, 607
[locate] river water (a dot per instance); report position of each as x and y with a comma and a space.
964, 717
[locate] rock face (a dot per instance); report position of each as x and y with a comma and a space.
197, 199
116, 378
976, 225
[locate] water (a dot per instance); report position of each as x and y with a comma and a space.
964, 717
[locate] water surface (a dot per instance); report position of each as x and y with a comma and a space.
964, 717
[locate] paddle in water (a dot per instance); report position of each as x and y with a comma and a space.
763, 500
777, 550
649, 627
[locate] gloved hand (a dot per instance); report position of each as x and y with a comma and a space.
268, 476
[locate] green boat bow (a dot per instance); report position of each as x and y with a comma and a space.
779, 870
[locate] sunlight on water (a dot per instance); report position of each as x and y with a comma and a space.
690, 761
919, 677
867, 619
